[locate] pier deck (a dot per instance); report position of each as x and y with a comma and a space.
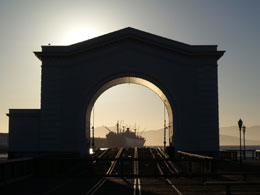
141, 171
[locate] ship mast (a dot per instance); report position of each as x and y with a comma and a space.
121, 126
108, 129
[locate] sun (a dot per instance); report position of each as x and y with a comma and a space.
79, 35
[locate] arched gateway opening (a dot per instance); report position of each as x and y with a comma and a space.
134, 80
184, 76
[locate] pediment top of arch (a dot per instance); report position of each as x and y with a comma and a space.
129, 34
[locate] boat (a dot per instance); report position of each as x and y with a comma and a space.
125, 138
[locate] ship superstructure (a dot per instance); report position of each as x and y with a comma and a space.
124, 138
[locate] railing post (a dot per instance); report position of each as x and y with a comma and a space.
121, 167
155, 173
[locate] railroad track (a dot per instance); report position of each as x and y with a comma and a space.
126, 171
137, 182
100, 156
134, 183
168, 166
114, 163
136, 186
109, 172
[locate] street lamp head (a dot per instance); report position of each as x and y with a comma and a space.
240, 123
244, 128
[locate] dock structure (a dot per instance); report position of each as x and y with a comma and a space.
184, 76
129, 171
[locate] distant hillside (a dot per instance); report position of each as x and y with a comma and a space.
102, 131
252, 133
228, 135
3, 140
155, 137
233, 140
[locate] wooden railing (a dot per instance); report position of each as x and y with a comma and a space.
235, 154
195, 164
15, 170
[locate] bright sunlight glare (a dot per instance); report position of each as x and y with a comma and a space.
79, 34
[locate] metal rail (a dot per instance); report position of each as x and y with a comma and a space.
137, 182
160, 153
100, 183
195, 156
96, 186
102, 154
113, 165
157, 164
136, 162
163, 156
171, 164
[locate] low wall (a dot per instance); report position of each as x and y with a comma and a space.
15, 170
24, 130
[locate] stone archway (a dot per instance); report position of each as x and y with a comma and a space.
73, 75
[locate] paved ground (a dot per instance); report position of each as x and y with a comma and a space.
230, 177
80, 186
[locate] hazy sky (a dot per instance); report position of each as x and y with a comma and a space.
231, 24
131, 104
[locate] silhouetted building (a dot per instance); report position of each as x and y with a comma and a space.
184, 76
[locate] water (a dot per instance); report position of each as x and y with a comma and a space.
250, 147
249, 154
233, 147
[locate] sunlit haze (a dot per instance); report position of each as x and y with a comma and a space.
131, 104
78, 34
232, 25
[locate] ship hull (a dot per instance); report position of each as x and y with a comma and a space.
130, 142
117, 140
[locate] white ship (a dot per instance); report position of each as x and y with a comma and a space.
127, 139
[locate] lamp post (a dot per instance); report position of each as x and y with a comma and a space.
164, 128
93, 133
240, 123
244, 135
93, 138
